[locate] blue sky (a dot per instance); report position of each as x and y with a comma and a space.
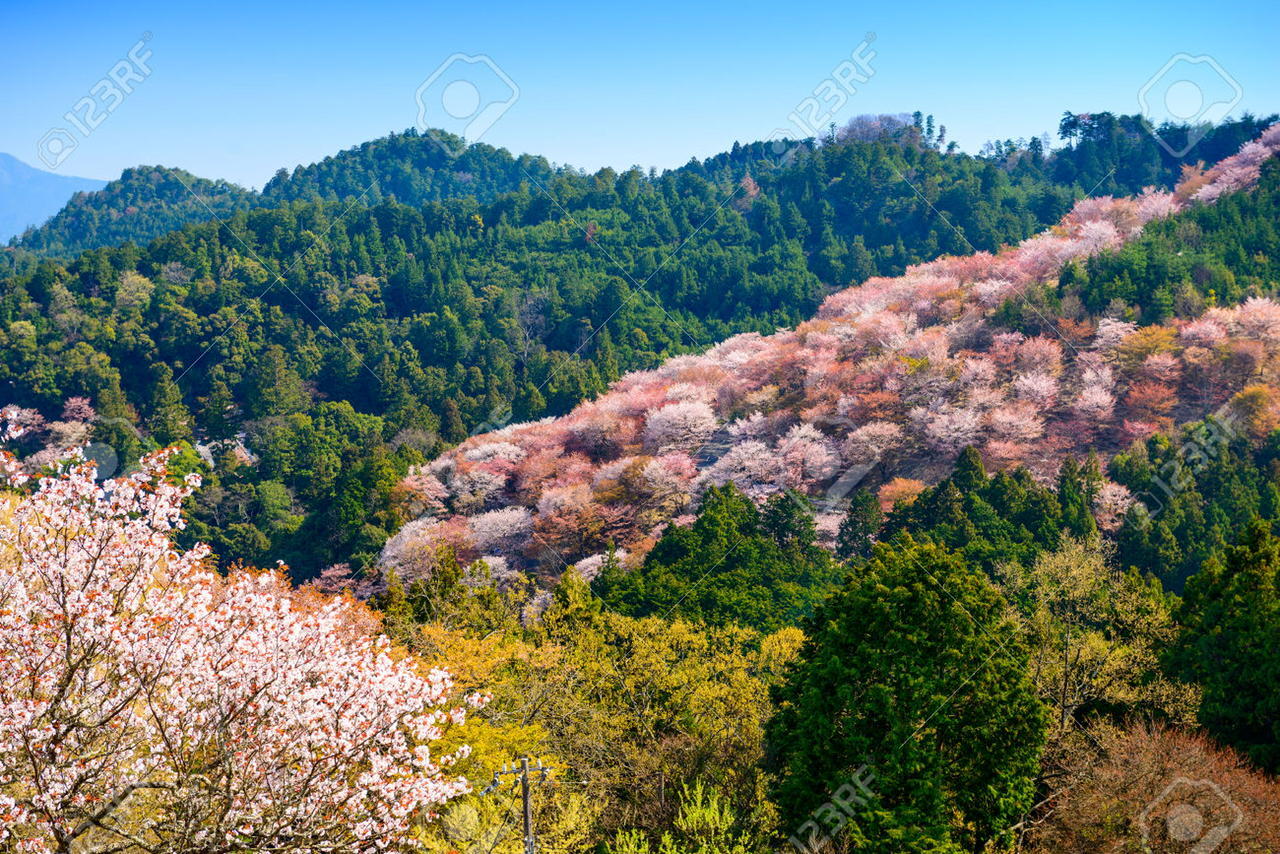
238, 93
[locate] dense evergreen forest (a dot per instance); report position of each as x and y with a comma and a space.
149, 201
1103, 153
142, 204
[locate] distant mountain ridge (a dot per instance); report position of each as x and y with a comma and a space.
29, 196
1104, 154
146, 202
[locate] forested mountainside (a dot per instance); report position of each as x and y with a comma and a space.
350, 343
146, 202
1098, 154
139, 206
894, 377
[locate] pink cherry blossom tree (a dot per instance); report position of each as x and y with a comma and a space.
1016, 422
1039, 388
1259, 318
78, 409
1111, 504
681, 426
1204, 332
807, 457
422, 492
751, 465
1095, 403
1040, 355
149, 704
501, 530
1112, 332
947, 428
872, 443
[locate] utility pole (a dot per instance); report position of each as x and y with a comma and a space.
530, 844
521, 774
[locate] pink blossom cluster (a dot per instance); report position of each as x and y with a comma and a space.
1240, 170
55, 438
891, 379
147, 703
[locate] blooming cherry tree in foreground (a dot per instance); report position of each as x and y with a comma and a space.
148, 704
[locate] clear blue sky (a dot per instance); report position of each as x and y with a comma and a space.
238, 93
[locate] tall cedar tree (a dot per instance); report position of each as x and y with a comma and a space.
1231, 620
914, 670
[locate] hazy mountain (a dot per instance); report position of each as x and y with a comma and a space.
139, 206
29, 196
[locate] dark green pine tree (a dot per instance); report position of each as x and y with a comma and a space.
529, 403
914, 670
217, 410
274, 387
452, 428
1230, 617
1075, 496
860, 265
170, 422
860, 525
970, 474
607, 357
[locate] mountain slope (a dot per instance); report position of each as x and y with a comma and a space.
347, 344
29, 196
888, 383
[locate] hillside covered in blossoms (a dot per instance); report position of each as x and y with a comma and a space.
1018, 353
